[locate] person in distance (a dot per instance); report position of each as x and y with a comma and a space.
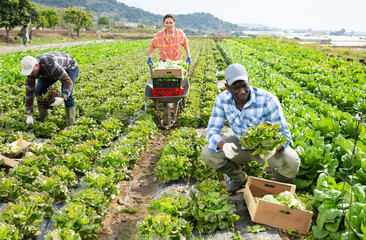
168, 41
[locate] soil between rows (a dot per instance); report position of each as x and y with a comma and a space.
130, 206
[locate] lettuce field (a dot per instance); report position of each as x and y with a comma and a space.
69, 181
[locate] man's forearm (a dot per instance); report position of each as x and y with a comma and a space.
67, 86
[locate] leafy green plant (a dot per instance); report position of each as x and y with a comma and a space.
46, 129
27, 174
10, 189
113, 158
42, 162
164, 226
77, 217
51, 151
62, 234
169, 64
91, 197
8, 232
47, 99
102, 182
175, 204
103, 136
264, 138
201, 171
173, 167
210, 207
78, 161
62, 141
327, 200
286, 198
87, 149
256, 169
27, 213
12, 151
237, 236
255, 229
116, 174
113, 126
52, 185
179, 146
65, 175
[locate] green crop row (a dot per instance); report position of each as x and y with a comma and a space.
339, 82
322, 134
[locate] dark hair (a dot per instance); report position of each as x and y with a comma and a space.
169, 16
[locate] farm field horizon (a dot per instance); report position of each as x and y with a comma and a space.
77, 181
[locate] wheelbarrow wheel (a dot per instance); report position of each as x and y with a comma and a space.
166, 115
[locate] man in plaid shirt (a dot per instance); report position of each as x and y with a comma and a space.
243, 106
48, 68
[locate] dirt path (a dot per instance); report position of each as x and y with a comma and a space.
130, 206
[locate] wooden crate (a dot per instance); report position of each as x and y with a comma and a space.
273, 214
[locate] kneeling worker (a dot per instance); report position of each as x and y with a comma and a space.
48, 68
244, 106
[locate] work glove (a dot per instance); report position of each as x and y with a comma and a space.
149, 61
189, 61
30, 119
269, 154
57, 101
230, 150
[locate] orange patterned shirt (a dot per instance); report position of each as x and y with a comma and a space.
169, 48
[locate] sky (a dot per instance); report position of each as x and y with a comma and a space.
287, 14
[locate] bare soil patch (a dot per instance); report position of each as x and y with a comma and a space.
130, 206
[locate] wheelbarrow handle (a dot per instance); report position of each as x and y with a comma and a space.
150, 66
187, 69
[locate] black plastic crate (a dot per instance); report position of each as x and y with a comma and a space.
167, 82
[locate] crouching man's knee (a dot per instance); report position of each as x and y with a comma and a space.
291, 164
286, 163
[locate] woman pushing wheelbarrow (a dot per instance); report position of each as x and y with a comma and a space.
172, 87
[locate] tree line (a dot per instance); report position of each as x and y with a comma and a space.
23, 13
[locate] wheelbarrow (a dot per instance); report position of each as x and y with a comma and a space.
168, 115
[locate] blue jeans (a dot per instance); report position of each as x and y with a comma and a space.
43, 84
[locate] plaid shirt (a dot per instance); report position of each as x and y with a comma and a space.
53, 65
169, 48
262, 106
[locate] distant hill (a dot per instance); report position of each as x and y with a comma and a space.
202, 22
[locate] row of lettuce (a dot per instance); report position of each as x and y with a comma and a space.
74, 167
206, 208
84, 54
73, 156
93, 93
338, 82
323, 130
